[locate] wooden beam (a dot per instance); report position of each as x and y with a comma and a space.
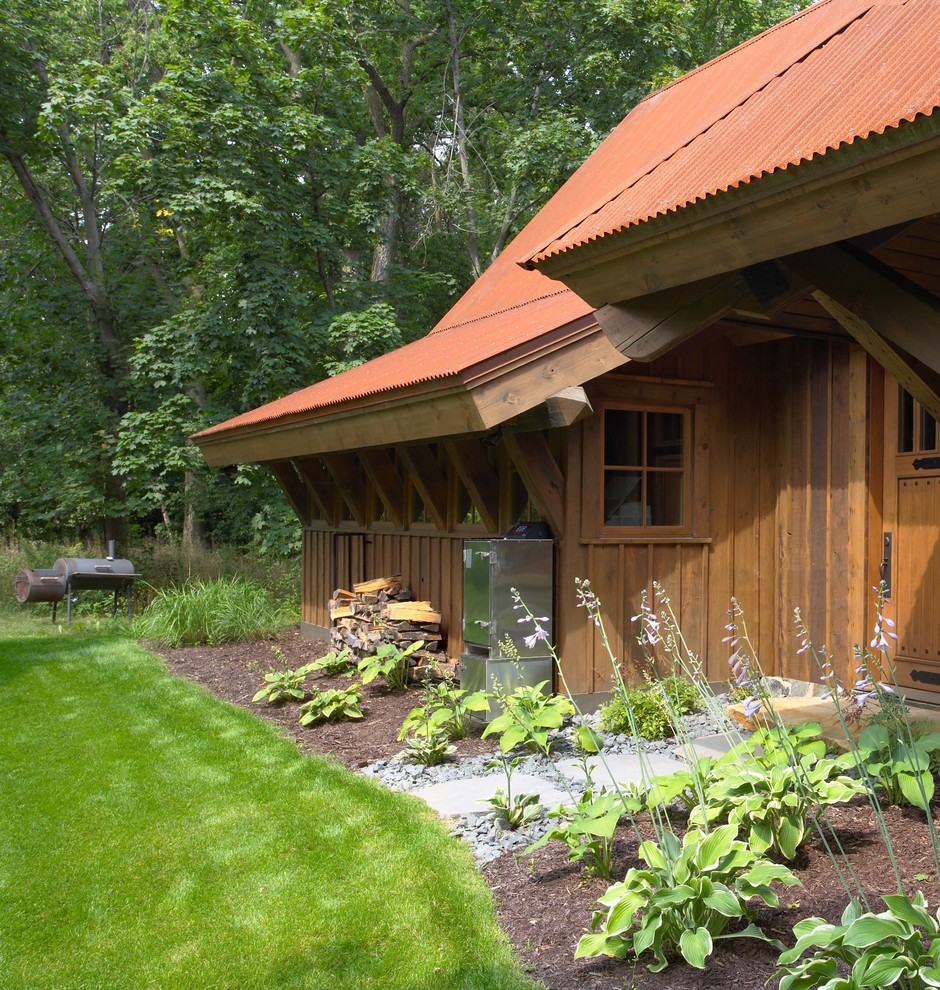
561, 410
479, 477
293, 489
383, 474
429, 480
320, 485
541, 476
898, 309
922, 382
645, 328
344, 470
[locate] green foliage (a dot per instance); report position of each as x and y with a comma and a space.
683, 899
654, 707
332, 705
446, 709
430, 749
284, 684
900, 765
527, 717
587, 829
516, 811
334, 663
896, 947
390, 663
768, 786
221, 611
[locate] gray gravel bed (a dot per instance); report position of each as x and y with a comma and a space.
485, 832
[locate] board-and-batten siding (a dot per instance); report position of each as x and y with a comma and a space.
784, 517
787, 496
431, 566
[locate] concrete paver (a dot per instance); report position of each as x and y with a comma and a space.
469, 796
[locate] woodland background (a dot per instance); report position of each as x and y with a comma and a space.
207, 204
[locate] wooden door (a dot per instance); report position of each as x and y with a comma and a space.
912, 534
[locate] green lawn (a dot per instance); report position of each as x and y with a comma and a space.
153, 837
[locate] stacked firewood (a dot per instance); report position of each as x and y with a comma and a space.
382, 611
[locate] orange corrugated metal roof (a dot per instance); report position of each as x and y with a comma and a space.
455, 352
766, 106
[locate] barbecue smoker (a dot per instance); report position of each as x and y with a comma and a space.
491, 569
72, 574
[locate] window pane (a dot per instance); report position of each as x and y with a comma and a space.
905, 422
928, 431
664, 440
623, 498
623, 437
664, 491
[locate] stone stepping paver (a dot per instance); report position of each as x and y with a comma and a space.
620, 768
716, 744
469, 796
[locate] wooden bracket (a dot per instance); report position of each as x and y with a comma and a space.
429, 480
293, 489
479, 477
383, 474
896, 321
344, 470
541, 476
560, 410
320, 485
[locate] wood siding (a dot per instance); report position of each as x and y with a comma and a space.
785, 513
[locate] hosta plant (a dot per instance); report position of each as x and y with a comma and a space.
446, 709
332, 705
516, 810
683, 899
769, 786
897, 947
527, 717
587, 829
900, 764
429, 750
335, 662
281, 685
390, 663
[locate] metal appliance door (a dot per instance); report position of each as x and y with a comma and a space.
525, 565
476, 594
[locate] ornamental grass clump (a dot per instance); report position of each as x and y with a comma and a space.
227, 610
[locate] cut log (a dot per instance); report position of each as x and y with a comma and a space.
386, 584
343, 611
410, 612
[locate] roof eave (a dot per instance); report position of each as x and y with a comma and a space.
882, 180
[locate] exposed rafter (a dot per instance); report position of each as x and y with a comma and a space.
320, 485
344, 470
293, 488
541, 476
479, 478
384, 475
429, 480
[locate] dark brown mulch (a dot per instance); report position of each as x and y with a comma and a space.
544, 901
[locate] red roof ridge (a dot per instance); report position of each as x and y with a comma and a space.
546, 251
498, 312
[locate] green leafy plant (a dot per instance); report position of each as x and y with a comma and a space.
901, 764
684, 899
332, 705
446, 708
769, 785
429, 750
655, 707
284, 684
527, 717
516, 810
335, 662
587, 829
866, 950
390, 663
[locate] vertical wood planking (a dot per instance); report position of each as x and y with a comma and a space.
841, 577
818, 535
768, 483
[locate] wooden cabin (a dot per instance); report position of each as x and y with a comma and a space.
712, 360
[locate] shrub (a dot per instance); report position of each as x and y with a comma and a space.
224, 611
528, 715
654, 707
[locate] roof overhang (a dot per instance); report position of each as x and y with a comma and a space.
870, 184
489, 394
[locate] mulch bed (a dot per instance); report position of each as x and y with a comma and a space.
544, 901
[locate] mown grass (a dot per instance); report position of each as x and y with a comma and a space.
155, 837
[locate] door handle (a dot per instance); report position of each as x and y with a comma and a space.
885, 567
